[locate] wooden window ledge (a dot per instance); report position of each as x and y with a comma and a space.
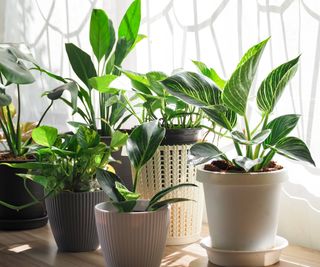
37, 248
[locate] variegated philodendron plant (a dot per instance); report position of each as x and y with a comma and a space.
225, 103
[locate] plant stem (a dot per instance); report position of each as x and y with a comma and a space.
18, 130
136, 177
249, 147
257, 150
266, 159
44, 114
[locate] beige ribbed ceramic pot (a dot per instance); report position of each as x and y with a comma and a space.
133, 239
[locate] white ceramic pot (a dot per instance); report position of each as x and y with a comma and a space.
242, 208
133, 238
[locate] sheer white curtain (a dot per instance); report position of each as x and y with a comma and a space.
216, 32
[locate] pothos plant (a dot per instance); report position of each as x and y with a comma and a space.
141, 146
109, 51
157, 104
225, 103
14, 73
66, 162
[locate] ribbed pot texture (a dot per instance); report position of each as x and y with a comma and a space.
135, 239
71, 217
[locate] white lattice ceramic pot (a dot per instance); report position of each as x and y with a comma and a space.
168, 167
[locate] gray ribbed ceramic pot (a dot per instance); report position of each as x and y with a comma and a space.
71, 217
133, 239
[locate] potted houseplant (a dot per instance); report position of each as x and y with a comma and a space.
15, 138
110, 50
133, 232
242, 193
170, 166
66, 168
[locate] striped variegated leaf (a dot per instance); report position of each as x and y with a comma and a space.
257, 139
293, 148
246, 163
236, 91
196, 89
210, 73
193, 88
280, 128
203, 152
272, 87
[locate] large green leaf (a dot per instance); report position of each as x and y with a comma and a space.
222, 116
56, 93
236, 91
102, 83
210, 73
125, 192
87, 138
272, 87
107, 181
100, 36
118, 140
293, 148
143, 143
203, 152
280, 128
193, 88
246, 163
81, 63
13, 68
130, 23
45, 135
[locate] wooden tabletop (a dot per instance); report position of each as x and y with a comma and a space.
36, 248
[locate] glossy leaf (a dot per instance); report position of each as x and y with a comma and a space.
222, 116
81, 63
125, 192
166, 202
203, 152
257, 139
161, 194
293, 148
210, 73
130, 23
193, 88
118, 140
102, 83
280, 128
99, 33
107, 180
87, 138
272, 87
13, 69
39, 179
45, 135
236, 91
143, 143
246, 163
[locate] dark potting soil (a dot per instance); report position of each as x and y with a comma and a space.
224, 166
5, 156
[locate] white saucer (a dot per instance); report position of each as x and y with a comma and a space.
244, 258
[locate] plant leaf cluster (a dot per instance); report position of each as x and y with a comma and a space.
225, 104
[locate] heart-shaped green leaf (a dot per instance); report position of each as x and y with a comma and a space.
293, 148
246, 163
118, 140
203, 152
280, 128
236, 91
102, 83
45, 135
87, 138
272, 87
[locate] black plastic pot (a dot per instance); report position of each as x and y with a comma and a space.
122, 169
181, 136
71, 217
12, 191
